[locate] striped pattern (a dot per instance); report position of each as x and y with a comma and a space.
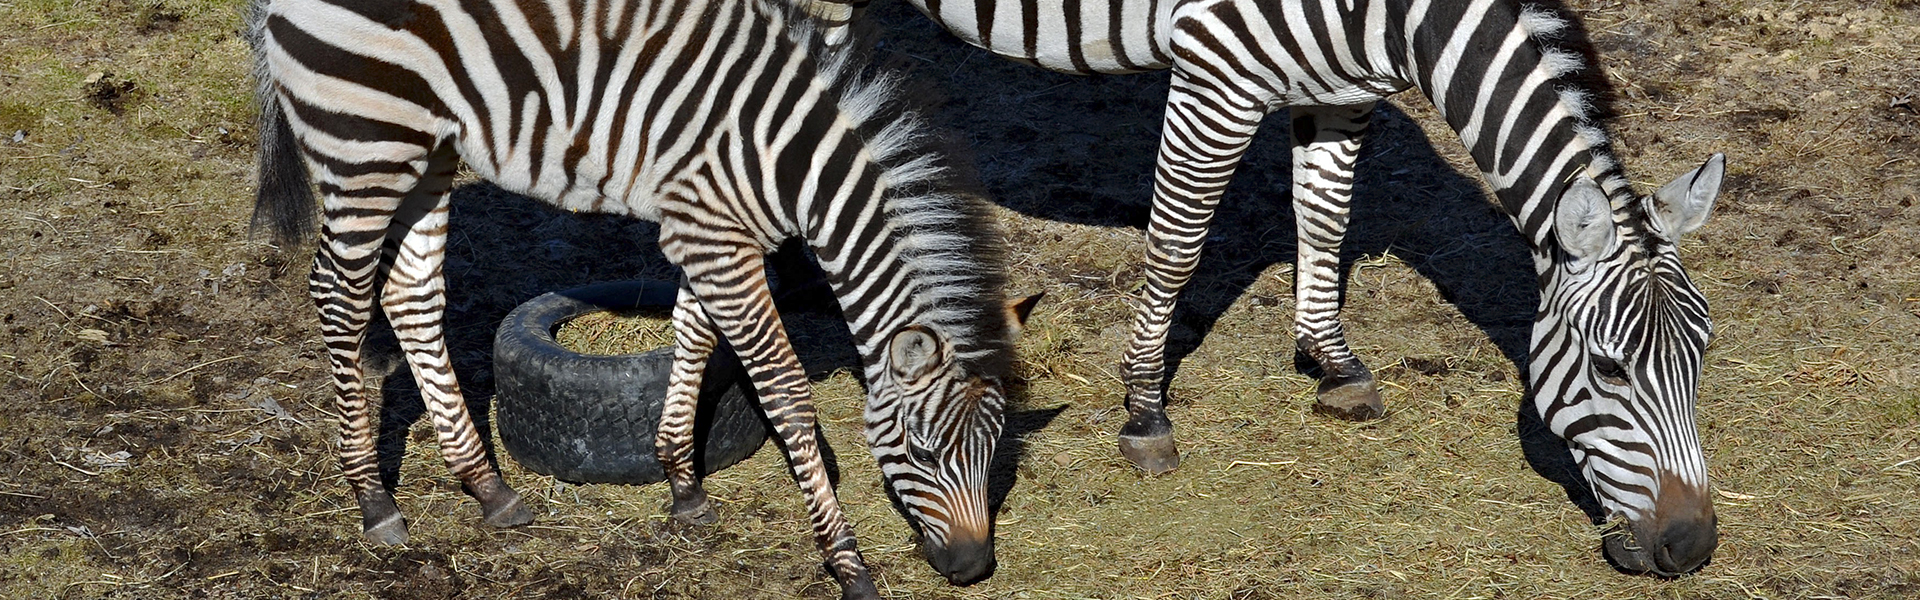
1511, 80
724, 121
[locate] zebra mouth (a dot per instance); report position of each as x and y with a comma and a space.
1623, 548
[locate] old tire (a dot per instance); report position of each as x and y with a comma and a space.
591, 419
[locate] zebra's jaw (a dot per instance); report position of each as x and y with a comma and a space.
1678, 538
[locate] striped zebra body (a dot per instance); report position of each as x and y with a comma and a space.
728, 123
1619, 336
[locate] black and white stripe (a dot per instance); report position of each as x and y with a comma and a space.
1510, 78
729, 123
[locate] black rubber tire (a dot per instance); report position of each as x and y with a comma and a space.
591, 419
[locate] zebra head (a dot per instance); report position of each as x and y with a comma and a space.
1616, 360
934, 438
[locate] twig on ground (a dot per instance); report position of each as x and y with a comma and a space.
194, 368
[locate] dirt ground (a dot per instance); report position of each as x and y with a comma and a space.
164, 428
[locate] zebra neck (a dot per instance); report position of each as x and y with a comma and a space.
931, 259
1499, 74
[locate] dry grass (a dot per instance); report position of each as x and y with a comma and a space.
621, 332
135, 317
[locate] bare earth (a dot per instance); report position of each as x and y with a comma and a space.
164, 428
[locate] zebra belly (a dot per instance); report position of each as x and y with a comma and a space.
580, 187
1277, 54
1102, 36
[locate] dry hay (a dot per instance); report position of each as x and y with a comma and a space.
617, 332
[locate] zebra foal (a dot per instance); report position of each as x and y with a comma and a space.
723, 120
1620, 332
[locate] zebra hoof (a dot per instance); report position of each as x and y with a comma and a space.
391, 532
1352, 400
500, 506
1154, 454
695, 512
859, 589
511, 513
380, 520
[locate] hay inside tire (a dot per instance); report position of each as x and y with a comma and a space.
587, 418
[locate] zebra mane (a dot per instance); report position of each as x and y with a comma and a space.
1568, 56
949, 237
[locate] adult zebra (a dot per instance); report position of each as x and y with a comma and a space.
1620, 331
725, 122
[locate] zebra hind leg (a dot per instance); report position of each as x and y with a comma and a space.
694, 341
344, 269
415, 301
1326, 144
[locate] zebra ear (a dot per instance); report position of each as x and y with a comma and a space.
1681, 206
1019, 310
1583, 221
913, 353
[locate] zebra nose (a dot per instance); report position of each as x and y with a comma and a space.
1684, 544
966, 558
1684, 531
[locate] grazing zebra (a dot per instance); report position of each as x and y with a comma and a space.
1620, 332
727, 122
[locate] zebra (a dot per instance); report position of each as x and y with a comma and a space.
1618, 339
731, 125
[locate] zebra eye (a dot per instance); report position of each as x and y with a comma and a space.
1610, 370
919, 453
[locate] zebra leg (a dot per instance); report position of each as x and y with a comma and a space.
415, 300
1326, 144
1204, 134
357, 216
342, 289
733, 290
694, 339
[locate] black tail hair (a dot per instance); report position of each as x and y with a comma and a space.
284, 203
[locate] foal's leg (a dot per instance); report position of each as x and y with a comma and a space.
1202, 138
415, 300
694, 340
1326, 144
733, 290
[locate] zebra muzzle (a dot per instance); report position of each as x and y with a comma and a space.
966, 557
1678, 538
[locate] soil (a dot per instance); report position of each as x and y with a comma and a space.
165, 429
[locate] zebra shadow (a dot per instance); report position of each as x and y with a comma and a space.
504, 249
1081, 149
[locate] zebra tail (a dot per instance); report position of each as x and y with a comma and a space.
283, 204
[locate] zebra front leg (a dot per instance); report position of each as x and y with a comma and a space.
342, 289
1326, 144
694, 339
733, 290
415, 301
1202, 139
